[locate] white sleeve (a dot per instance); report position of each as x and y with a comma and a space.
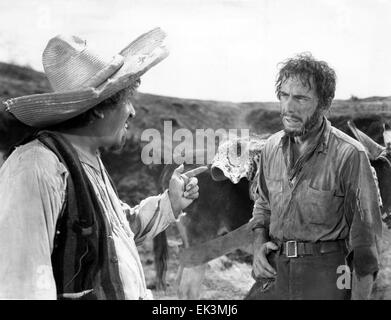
32, 191
150, 217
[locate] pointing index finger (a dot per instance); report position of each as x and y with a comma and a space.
195, 172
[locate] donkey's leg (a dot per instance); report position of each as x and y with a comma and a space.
190, 282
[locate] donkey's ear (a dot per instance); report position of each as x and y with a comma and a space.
372, 148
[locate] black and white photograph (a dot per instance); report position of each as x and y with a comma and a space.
204, 150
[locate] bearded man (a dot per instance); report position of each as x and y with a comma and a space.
64, 233
317, 216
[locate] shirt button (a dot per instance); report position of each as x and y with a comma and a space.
114, 260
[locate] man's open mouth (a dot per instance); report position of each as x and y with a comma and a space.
291, 120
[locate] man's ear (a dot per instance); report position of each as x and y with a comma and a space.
98, 113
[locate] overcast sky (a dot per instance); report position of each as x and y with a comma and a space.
220, 49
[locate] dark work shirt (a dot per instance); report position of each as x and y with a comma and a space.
329, 193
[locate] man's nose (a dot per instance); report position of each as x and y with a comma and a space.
131, 111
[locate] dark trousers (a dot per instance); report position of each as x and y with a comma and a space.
303, 278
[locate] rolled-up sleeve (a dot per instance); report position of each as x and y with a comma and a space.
261, 210
363, 213
150, 217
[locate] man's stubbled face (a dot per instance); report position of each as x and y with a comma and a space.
299, 106
117, 124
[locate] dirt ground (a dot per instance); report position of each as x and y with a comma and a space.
229, 277
226, 278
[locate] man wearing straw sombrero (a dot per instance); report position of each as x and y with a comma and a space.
64, 233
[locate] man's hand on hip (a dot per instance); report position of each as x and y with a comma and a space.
262, 247
261, 265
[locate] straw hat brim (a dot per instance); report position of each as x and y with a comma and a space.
43, 110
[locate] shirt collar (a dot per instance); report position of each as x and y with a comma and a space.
84, 156
325, 136
88, 159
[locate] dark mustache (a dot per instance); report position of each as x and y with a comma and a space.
290, 116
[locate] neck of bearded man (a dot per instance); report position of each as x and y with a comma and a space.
310, 133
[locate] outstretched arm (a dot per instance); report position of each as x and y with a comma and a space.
154, 214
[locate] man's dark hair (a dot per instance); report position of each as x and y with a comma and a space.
87, 117
305, 67
12, 131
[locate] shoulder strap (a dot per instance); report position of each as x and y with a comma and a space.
82, 187
82, 258
74, 237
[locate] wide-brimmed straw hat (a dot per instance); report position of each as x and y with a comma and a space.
81, 78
